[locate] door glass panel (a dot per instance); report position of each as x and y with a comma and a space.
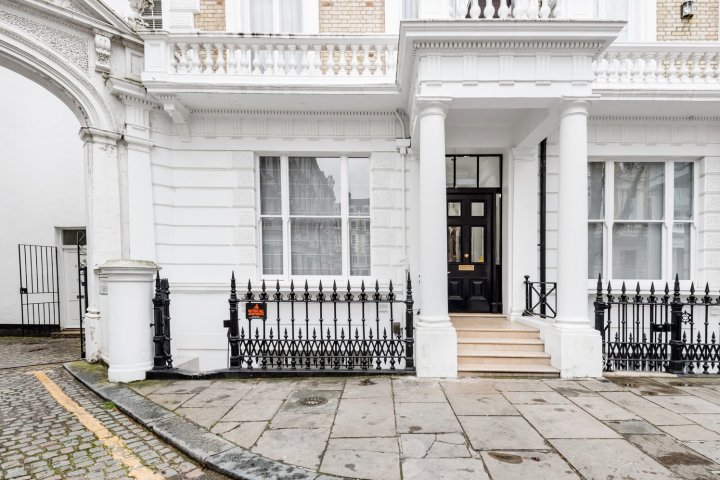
454, 209
466, 172
477, 209
454, 250
477, 244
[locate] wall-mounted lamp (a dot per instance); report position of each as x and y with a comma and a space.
687, 9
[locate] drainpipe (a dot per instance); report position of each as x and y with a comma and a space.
543, 219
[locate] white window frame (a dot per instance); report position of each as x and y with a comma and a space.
667, 221
285, 216
237, 14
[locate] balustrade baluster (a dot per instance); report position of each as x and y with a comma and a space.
650, 67
304, 62
624, 67
557, 9
366, 60
545, 9
256, 63
354, 60
636, 73
661, 75
316, 65
533, 9
697, 72
504, 10
600, 67
183, 65
709, 72
330, 61
342, 61
244, 66
672, 67
377, 60
269, 59
208, 62
475, 9
220, 60
174, 58
280, 64
612, 64
231, 58
195, 58
521, 9
684, 67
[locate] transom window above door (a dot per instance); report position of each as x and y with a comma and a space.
473, 171
315, 216
641, 219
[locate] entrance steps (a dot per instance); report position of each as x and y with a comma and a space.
492, 346
66, 333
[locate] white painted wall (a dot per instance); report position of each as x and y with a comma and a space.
41, 186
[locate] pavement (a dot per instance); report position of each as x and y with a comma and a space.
383, 428
52, 427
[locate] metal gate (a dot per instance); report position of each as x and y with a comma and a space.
39, 289
81, 243
661, 330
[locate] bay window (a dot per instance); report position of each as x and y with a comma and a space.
315, 216
640, 219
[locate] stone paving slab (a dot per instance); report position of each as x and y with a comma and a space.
408, 428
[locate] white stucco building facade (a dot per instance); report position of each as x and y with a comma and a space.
428, 140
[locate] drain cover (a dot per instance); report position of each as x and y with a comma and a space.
313, 401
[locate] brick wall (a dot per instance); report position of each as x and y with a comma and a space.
352, 16
702, 27
211, 16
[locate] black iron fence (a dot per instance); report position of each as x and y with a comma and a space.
339, 330
540, 298
161, 324
659, 330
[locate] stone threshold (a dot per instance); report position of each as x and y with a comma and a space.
210, 450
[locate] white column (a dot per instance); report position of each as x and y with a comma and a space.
436, 350
524, 224
128, 285
573, 342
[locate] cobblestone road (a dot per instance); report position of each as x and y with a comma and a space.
41, 439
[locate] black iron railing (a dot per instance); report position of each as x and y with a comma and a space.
540, 298
658, 331
161, 324
332, 331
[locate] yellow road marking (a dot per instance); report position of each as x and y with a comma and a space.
116, 445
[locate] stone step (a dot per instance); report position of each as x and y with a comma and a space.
476, 345
504, 358
490, 332
479, 370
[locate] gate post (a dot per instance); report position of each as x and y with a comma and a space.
233, 327
409, 350
676, 364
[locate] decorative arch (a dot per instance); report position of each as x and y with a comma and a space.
38, 63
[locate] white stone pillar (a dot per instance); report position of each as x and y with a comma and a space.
128, 285
436, 352
573, 342
524, 224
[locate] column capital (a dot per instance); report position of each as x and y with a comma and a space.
574, 106
432, 106
525, 154
97, 135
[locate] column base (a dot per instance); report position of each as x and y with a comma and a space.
576, 352
436, 351
128, 373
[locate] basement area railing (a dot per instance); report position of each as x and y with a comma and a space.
340, 330
659, 330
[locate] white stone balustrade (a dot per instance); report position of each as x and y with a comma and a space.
505, 9
293, 56
659, 63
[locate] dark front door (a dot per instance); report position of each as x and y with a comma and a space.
470, 252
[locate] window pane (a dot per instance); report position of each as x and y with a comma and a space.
315, 244
639, 191
489, 172
681, 250
454, 251
359, 186
360, 246
74, 237
270, 186
683, 191
314, 186
477, 244
637, 251
261, 16
449, 172
272, 246
595, 249
291, 16
466, 172
596, 191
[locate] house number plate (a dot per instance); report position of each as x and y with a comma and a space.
466, 268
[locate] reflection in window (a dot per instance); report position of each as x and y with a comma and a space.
454, 250
637, 250
639, 191
477, 244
